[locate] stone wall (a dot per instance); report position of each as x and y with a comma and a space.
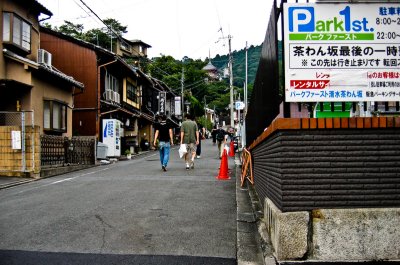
334, 235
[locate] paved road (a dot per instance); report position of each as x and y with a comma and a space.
130, 212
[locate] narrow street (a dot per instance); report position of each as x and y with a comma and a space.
130, 212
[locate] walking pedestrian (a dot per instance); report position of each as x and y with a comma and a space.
189, 137
202, 133
214, 134
220, 135
163, 132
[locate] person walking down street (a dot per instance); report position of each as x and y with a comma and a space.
214, 134
163, 132
221, 139
202, 134
189, 137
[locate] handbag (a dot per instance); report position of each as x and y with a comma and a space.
226, 148
182, 150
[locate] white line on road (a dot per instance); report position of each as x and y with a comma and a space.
64, 180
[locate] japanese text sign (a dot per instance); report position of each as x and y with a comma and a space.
342, 52
162, 97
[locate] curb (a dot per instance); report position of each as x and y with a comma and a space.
249, 243
16, 183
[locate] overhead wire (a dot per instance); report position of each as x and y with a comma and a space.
190, 86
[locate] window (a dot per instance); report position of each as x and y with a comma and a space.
111, 83
16, 31
125, 46
131, 92
54, 116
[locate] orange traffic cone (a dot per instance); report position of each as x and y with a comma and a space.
223, 169
231, 149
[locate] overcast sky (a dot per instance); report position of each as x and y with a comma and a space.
174, 27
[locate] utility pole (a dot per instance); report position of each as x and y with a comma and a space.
245, 104
182, 84
205, 111
230, 62
231, 80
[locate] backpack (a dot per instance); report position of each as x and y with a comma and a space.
220, 135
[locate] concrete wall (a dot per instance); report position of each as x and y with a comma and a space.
334, 235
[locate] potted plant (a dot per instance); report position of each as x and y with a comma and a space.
128, 154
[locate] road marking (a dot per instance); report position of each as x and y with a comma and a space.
59, 181
64, 180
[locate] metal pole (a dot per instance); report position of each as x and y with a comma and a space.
182, 83
245, 103
231, 80
23, 149
205, 112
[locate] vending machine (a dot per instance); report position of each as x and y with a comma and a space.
112, 133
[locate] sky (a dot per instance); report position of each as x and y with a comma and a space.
174, 27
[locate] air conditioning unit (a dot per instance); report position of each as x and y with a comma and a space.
44, 57
116, 97
109, 95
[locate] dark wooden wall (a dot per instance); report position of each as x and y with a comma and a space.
81, 63
305, 169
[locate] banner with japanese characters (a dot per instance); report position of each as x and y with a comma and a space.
342, 52
162, 98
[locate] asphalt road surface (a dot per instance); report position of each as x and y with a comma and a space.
130, 212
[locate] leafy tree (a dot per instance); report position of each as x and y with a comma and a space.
47, 25
206, 123
169, 70
99, 36
71, 29
104, 36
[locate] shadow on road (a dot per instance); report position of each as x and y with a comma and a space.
19, 257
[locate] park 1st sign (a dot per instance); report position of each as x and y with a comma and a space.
342, 52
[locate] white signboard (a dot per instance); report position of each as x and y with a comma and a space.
342, 52
162, 97
16, 139
239, 105
178, 103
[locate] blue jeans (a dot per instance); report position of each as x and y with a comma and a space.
164, 152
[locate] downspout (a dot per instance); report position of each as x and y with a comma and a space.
99, 96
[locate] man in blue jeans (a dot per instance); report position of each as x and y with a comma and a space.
163, 132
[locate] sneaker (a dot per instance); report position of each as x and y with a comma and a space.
187, 166
198, 156
164, 168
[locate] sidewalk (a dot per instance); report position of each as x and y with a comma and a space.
6, 182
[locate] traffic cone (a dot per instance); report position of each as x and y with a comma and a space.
231, 149
223, 169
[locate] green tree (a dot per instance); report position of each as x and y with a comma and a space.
71, 29
105, 37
